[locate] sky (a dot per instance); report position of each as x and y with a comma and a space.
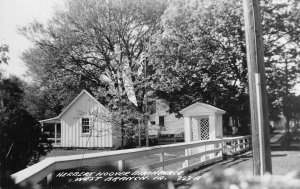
18, 13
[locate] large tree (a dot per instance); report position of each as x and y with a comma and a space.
197, 53
201, 54
96, 45
281, 22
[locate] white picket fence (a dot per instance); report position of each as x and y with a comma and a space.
194, 155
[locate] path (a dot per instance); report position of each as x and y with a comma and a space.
283, 161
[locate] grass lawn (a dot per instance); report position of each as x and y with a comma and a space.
284, 160
63, 152
130, 162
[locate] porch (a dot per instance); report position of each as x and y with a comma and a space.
52, 128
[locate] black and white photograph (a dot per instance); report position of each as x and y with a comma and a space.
143, 94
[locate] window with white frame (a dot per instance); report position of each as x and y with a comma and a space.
85, 125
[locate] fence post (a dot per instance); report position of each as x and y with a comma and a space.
238, 144
233, 143
49, 179
249, 142
161, 159
221, 152
187, 152
121, 165
223, 146
204, 156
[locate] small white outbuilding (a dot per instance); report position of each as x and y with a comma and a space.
84, 123
202, 122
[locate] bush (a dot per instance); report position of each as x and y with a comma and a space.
21, 139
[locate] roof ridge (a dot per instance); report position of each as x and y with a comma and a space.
76, 98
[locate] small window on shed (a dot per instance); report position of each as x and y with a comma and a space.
162, 121
85, 126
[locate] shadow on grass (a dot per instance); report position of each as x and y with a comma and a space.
226, 163
282, 144
279, 155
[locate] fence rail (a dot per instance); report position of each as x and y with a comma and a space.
235, 145
208, 151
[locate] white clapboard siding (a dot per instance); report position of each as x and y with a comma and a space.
173, 124
85, 106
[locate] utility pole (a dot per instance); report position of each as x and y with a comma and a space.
257, 88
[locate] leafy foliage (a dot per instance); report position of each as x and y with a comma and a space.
194, 50
94, 45
3, 54
281, 36
201, 56
21, 139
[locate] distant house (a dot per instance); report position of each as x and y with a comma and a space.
280, 123
83, 123
198, 113
169, 124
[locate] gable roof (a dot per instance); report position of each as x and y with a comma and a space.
214, 109
76, 98
70, 105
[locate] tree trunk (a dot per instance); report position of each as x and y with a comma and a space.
122, 134
287, 131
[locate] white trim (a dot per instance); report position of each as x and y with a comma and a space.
78, 96
193, 114
73, 101
216, 110
90, 125
69, 106
51, 120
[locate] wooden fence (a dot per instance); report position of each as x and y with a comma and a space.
235, 145
204, 152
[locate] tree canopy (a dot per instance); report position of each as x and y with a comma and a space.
98, 46
202, 56
3, 53
194, 51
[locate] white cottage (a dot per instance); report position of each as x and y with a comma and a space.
83, 123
